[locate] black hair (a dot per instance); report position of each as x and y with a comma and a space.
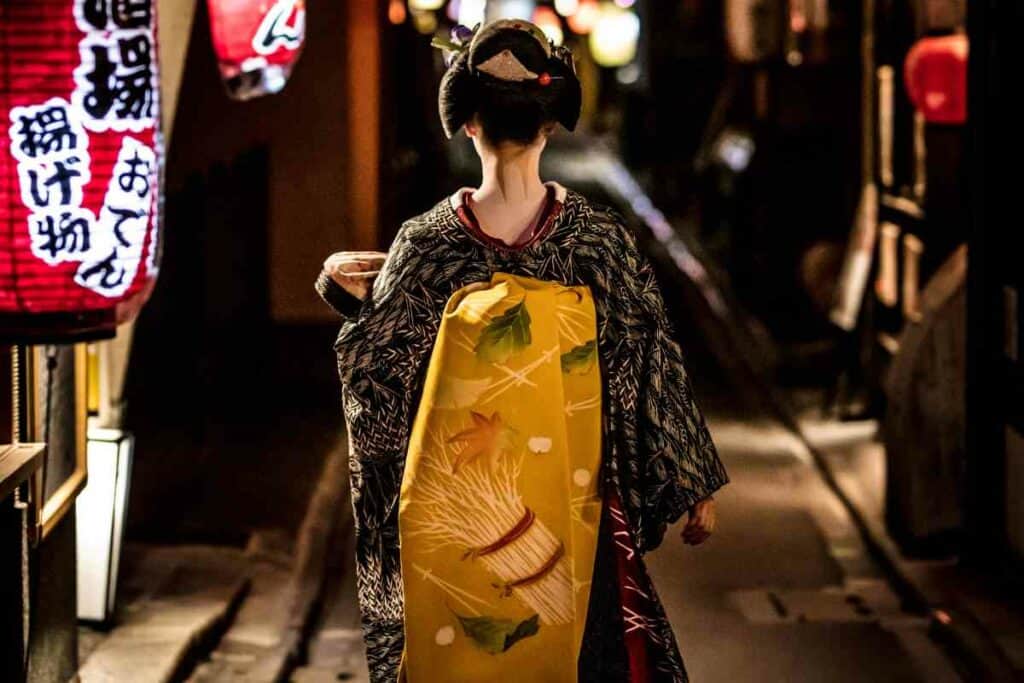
510, 111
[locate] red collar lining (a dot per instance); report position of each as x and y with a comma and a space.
540, 228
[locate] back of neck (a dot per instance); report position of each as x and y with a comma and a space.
511, 179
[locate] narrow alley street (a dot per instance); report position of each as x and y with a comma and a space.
784, 590
267, 283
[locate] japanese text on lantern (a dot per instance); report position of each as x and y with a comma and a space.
106, 128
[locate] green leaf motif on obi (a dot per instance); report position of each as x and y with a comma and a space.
579, 360
508, 333
498, 635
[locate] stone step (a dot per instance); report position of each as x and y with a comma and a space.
176, 601
337, 644
258, 645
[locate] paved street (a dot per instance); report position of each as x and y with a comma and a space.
783, 592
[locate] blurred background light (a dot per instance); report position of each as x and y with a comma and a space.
425, 21
396, 12
629, 74
614, 37
585, 17
453, 10
471, 12
567, 8
549, 22
734, 149
510, 9
935, 76
425, 4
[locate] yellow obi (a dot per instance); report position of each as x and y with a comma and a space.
499, 506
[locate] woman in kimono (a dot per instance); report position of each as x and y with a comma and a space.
521, 427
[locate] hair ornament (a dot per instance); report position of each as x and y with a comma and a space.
564, 55
506, 67
458, 41
472, 74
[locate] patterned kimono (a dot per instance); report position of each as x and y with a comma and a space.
658, 457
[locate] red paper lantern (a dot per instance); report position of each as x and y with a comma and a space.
935, 72
257, 43
80, 166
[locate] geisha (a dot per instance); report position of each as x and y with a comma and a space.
521, 426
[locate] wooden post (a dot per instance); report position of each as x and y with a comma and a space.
857, 265
363, 64
994, 384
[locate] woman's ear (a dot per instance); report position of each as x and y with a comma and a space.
472, 129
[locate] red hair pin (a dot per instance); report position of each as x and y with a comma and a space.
544, 78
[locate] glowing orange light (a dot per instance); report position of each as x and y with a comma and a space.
543, 15
396, 12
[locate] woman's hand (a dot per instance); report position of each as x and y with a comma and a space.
355, 270
700, 522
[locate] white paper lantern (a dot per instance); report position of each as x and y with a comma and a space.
100, 512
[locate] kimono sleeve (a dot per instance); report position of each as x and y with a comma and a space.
681, 464
394, 267
345, 303
374, 322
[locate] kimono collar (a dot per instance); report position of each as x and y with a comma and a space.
455, 199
